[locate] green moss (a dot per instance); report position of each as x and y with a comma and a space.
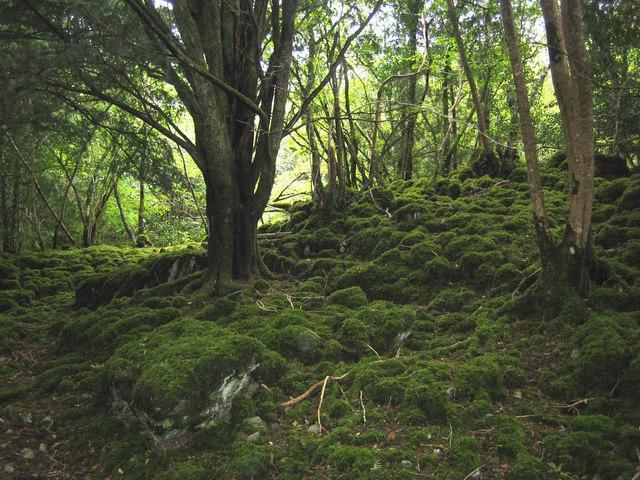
508, 437
172, 371
488, 376
526, 467
630, 198
605, 349
453, 299
352, 297
464, 454
432, 401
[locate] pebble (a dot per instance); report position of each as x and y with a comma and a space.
437, 452
28, 454
253, 437
9, 469
315, 429
42, 447
406, 464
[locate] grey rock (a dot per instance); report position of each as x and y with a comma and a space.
28, 454
406, 464
314, 428
254, 437
437, 452
257, 423
9, 469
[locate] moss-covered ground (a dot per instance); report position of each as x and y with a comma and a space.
412, 313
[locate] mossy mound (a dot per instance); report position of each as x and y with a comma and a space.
411, 313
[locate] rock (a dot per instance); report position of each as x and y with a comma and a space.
28, 454
257, 423
9, 469
406, 464
315, 429
42, 448
399, 340
437, 452
254, 437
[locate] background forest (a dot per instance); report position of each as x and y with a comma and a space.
299, 239
79, 170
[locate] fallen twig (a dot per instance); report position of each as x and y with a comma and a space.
324, 386
294, 401
572, 406
364, 412
513, 294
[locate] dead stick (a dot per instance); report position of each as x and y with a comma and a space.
309, 391
324, 386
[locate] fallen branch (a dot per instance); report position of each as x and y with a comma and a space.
324, 386
572, 406
513, 294
364, 412
294, 401
474, 471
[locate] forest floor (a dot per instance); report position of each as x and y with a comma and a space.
401, 339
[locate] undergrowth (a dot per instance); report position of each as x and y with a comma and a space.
412, 310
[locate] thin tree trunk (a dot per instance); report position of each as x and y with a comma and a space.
141, 224
123, 217
205, 222
477, 102
540, 218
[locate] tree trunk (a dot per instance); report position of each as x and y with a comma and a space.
483, 132
405, 164
571, 75
13, 210
540, 218
123, 217
141, 206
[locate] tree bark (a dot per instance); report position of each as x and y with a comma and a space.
123, 217
540, 218
475, 95
571, 75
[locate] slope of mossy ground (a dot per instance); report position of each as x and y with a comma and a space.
411, 312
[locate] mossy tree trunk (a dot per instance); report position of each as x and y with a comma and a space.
224, 89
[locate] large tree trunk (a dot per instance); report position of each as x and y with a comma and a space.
571, 75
